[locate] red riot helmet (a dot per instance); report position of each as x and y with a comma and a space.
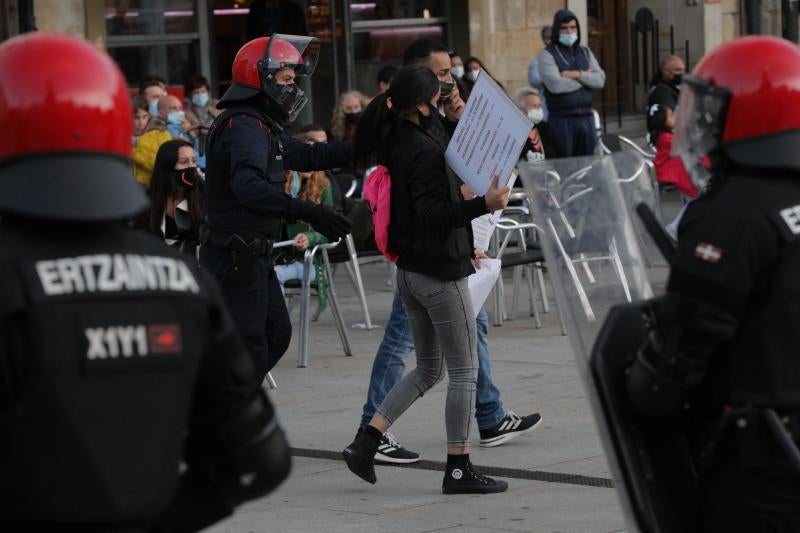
257, 63
65, 132
741, 104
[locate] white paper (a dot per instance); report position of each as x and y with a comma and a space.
483, 226
489, 136
481, 282
482, 229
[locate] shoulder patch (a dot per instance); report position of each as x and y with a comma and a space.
708, 252
791, 216
787, 220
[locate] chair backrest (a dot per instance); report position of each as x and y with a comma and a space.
610, 143
598, 125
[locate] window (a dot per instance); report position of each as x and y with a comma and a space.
150, 17
164, 38
176, 63
395, 9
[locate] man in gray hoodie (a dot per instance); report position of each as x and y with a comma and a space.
570, 74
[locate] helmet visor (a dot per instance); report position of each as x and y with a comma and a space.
297, 52
699, 125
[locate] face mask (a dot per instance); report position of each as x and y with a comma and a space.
446, 88
290, 99
567, 39
458, 71
536, 115
352, 118
677, 79
176, 117
200, 99
152, 107
472, 75
186, 178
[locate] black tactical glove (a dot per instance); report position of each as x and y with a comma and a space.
325, 221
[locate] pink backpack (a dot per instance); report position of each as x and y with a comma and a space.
378, 195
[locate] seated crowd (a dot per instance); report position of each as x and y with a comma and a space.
168, 160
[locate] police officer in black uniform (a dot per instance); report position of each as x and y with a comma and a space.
721, 362
247, 153
118, 361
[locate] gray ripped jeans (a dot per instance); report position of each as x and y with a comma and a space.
443, 325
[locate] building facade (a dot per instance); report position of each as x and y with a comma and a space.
175, 39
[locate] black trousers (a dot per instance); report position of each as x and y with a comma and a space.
259, 311
739, 496
576, 133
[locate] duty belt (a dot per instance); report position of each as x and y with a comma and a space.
242, 242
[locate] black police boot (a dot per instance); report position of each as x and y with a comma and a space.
460, 478
360, 455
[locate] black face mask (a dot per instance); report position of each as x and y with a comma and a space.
352, 118
677, 79
427, 122
186, 178
284, 102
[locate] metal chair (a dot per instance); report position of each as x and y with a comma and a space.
269, 382
305, 290
577, 205
612, 142
352, 262
527, 258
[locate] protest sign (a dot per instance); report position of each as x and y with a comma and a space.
489, 137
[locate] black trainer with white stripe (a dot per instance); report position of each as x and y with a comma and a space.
390, 451
509, 428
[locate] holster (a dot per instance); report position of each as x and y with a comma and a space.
758, 433
245, 248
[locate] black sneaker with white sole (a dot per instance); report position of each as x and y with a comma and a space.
463, 479
509, 428
390, 451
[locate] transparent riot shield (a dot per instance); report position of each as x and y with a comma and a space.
591, 244
595, 252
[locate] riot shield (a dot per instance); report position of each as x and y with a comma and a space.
594, 252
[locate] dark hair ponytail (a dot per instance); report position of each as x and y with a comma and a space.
409, 87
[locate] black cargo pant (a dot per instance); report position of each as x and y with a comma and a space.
256, 304
751, 491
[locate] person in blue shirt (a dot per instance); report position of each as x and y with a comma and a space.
245, 197
533, 69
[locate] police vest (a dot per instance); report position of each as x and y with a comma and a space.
763, 361
274, 169
102, 334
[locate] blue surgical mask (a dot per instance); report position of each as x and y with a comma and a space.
295, 184
458, 71
200, 99
176, 117
152, 107
567, 39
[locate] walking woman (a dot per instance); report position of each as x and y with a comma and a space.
430, 232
